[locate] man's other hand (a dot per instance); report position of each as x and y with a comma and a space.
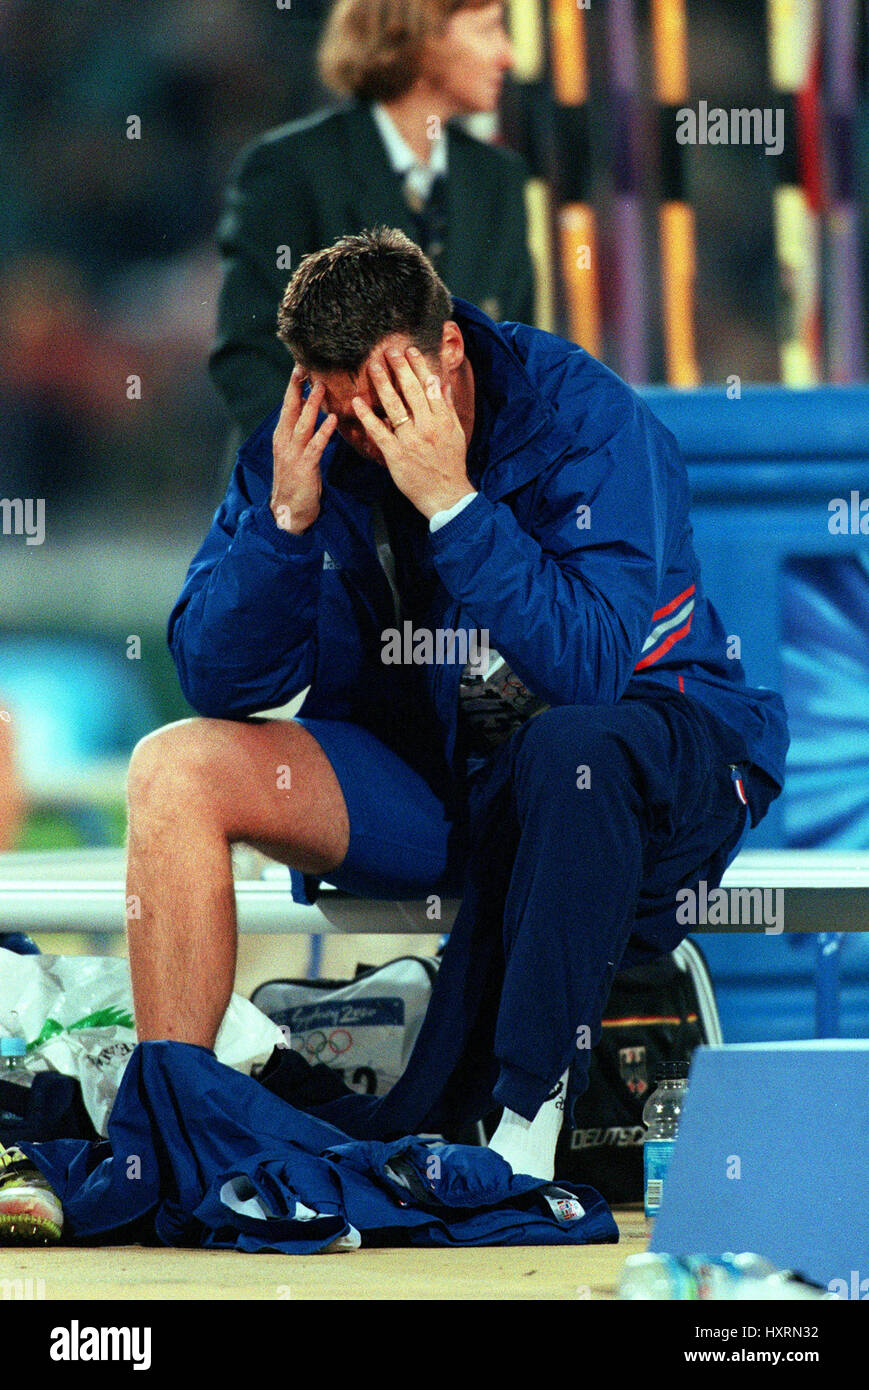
421, 439
296, 452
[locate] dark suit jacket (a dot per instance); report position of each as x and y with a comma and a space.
304, 185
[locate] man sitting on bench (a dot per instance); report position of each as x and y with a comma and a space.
437, 487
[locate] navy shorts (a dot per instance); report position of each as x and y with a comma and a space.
403, 842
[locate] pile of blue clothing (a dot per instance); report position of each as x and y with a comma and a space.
200, 1155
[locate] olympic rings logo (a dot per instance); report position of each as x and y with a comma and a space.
318, 1043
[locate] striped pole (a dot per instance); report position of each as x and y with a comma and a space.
794, 57
630, 294
845, 297
525, 19
528, 37
577, 223
676, 216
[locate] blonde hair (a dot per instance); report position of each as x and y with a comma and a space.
371, 49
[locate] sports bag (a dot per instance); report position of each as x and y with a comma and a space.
51, 1107
363, 1029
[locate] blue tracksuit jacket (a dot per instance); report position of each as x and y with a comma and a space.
579, 602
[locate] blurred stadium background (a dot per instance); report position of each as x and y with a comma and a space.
108, 270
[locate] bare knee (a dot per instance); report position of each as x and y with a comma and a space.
170, 767
228, 776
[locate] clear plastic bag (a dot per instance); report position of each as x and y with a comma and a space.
76, 1016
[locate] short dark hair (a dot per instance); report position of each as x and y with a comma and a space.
344, 300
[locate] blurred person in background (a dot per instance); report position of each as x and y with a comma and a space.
61, 382
387, 155
13, 810
11, 793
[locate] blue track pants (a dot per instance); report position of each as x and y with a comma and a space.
574, 841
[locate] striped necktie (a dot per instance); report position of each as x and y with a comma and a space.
429, 216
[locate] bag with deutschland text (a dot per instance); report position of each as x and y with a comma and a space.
658, 1012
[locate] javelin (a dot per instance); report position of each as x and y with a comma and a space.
630, 313
794, 56
676, 216
577, 224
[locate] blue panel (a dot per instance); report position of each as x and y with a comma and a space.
771, 1157
763, 470
766, 422
825, 652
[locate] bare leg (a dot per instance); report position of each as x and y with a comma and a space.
195, 788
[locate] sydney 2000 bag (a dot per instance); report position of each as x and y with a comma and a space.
363, 1029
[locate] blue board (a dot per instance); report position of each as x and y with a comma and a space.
773, 1156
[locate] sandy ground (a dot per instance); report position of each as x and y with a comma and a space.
134, 1272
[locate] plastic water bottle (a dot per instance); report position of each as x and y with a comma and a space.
656, 1278
661, 1115
662, 1276
727, 1277
13, 1050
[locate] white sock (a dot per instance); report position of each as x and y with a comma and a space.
529, 1145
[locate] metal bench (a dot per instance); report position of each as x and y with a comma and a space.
83, 890
824, 892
